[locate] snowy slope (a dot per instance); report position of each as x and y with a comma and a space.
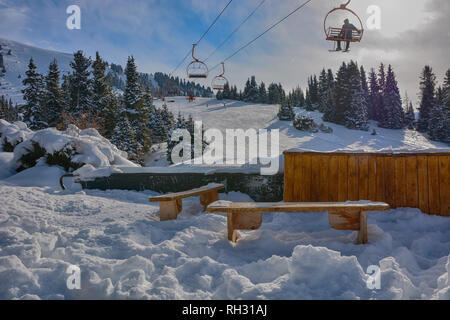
17, 64
236, 114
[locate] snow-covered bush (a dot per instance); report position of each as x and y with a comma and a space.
325, 129
11, 134
70, 149
304, 123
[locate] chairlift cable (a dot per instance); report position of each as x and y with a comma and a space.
201, 38
235, 30
263, 33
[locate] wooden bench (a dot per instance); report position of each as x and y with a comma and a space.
341, 215
170, 205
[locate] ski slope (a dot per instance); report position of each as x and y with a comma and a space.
229, 114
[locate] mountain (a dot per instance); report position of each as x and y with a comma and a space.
16, 64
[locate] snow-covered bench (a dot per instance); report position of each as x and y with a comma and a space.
170, 205
341, 215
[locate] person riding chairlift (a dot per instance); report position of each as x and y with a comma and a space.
346, 33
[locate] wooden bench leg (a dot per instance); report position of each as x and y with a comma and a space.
209, 197
362, 234
169, 210
242, 221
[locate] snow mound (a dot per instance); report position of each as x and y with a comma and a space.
13, 133
79, 146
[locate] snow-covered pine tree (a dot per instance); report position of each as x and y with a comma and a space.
394, 116
80, 85
253, 92
342, 95
262, 93
446, 92
286, 112
33, 95
428, 97
330, 106
374, 96
53, 97
356, 115
124, 138
409, 113
137, 112
365, 86
323, 88
436, 126
382, 86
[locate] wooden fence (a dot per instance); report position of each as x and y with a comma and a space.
419, 180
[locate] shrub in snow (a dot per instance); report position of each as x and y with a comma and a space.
304, 123
11, 134
70, 149
325, 129
286, 113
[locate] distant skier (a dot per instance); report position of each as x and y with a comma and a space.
346, 33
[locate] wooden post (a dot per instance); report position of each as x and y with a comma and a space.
209, 197
362, 234
169, 210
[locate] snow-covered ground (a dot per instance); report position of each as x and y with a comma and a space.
123, 251
240, 115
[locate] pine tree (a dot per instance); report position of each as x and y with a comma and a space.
409, 114
132, 94
323, 88
53, 101
124, 137
33, 95
356, 116
80, 85
342, 95
286, 112
365, 87
262, 93
428, 98
374, 97
446, 103
437, 119
394, 117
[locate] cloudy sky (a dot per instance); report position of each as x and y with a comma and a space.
160, 32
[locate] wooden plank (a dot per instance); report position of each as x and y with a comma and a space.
315, 176
323, 178
433, 185
288, 177
306, 175
227, 206
343, 178
363, 178
333, 187
412, 193
444, 184
389, 181
380, 196
188, 193
298, 179
353, 178
422, 180
362, 234
372, 191
400, 182
344, 219
169, 210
